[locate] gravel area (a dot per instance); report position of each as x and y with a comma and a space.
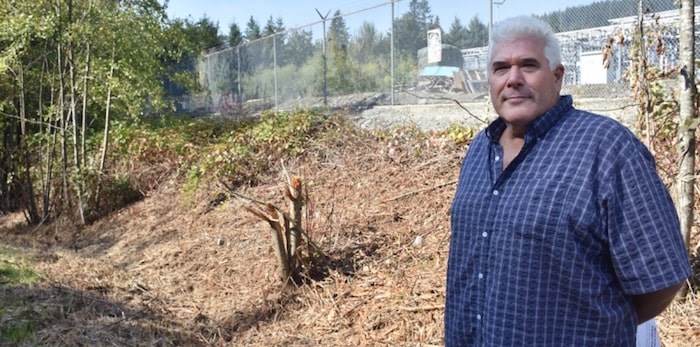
426, 117
439, 116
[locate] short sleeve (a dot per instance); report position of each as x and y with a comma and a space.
646, 246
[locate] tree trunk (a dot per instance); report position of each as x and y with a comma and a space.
32, 213
645, 104
79, 181
688, 121
105, 136
62, 112
49, 149
83, 126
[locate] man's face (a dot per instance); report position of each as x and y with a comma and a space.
522, 85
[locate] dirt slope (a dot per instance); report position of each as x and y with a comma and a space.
175, 270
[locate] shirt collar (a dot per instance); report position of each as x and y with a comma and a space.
539, 127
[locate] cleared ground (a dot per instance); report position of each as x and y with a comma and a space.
177, 270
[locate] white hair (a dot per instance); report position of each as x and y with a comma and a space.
527, 27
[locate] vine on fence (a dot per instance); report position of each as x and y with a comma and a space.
657, 104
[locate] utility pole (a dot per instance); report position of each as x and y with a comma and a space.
393, 29
325, 66
491, 2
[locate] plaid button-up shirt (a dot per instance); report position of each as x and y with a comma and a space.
549, 251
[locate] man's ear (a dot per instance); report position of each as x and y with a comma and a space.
559, 73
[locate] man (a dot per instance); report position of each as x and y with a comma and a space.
562, 232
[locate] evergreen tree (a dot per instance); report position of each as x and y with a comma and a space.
339, 38
235, 36
436, 24
252, 30
299, 47
338, 35
251, 52
272, 46
421, 12
270, 27
206, 33
458, 35
478, 34
366, 42
412, 27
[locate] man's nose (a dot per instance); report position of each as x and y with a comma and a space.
515, 77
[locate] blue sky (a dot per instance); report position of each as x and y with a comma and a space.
298, 13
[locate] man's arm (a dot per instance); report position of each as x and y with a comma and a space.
649, 305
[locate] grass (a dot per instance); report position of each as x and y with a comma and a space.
16, 324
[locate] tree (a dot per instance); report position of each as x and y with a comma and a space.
64, 64
688, 121
412, 27
181, 51
408, 35
338, 35
366, 43
206, 33
458, 35
270, 27
231, 74
18, 39
252, 30
235, 36
436, 24
338, 39
299, 47
478, 34
421, 12
273, 30
281, 41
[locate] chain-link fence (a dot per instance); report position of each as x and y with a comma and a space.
343, 56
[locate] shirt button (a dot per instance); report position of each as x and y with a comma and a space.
497, 158
495, 192
485, 234
481, 276
478, 317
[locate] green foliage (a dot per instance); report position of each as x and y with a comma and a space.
252, 30
413, 26
457, 35
243, 156
293, 83
338, 35
206, 33
192, 178
459, 134
299, 47
63, 67
285, 132
406, 72
17, 330
235, 36
16, 322
11, 274
117, 191
476, 35
206, 150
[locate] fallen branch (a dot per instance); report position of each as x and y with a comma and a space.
423, 308
441, 185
